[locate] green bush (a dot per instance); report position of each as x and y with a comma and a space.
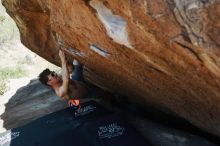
3, 87
2, 18
9, 73
16, 72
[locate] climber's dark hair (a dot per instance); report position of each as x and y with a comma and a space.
43, 76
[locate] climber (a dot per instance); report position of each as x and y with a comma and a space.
70, 89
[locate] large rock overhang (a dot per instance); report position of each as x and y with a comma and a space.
160, 53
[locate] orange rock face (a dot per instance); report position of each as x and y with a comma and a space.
160, 53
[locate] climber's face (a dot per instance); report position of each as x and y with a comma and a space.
53, 79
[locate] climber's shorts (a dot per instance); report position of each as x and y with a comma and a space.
77, 73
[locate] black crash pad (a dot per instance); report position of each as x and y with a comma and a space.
69, 127
89, 110
112, 131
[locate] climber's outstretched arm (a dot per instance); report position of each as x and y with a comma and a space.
63, 90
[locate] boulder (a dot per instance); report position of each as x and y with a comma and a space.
163, 54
